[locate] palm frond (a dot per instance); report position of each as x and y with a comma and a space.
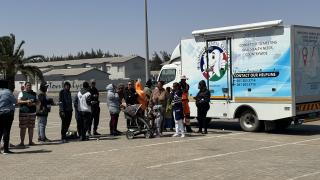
35, 58
18, 48
31, 70
13, 38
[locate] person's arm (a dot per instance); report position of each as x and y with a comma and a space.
61, 101
89, 99
13, 100
207, 97
22, 101
75, 102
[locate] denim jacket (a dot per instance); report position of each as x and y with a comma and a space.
7, 101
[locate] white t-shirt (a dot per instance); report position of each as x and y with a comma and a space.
21, 94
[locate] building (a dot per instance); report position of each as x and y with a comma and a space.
104, 70
119, 68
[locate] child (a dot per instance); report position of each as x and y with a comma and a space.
177, 110
168, 112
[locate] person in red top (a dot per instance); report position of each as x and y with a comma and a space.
185, 102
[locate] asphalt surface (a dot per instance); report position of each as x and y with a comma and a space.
225, 153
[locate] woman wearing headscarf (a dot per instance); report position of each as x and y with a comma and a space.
113, 103
158, 103
202, 103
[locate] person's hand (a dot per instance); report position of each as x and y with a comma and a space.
62, 114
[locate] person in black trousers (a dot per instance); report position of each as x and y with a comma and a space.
202, 103
84, 109
95, 108
77, 113
65, 110
7, 107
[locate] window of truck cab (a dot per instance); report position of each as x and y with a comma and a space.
167, 75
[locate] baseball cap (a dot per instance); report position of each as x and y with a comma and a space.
183, 77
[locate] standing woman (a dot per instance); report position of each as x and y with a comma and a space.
158, 103
27, 113
43, 111
202, 103
113, 103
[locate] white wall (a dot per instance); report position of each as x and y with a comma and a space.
117, 72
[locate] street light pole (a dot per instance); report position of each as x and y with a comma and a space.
147, 41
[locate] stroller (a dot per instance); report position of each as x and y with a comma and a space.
137, 123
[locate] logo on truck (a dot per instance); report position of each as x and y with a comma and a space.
217, 63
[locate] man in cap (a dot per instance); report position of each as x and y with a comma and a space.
43, 111
185, 102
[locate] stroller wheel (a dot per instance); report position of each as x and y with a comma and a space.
130, 134
148, 134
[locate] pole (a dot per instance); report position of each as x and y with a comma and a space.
147, 41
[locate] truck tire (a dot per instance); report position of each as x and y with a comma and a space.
249, 121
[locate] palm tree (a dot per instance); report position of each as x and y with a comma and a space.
12, 60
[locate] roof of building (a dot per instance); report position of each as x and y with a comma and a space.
85, 61
70, 72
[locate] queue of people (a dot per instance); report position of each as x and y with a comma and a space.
167, 108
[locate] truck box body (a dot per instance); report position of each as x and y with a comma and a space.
274, 71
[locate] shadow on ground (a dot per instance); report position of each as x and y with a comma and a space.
34, 151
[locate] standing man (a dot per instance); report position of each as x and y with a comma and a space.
84, 107
7, 103
185, 102
65, 110
95, 108
27, 113
43, 111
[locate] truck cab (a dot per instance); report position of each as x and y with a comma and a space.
171, 72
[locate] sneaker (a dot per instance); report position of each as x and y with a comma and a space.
118, 132
88, 133
21, 145
8, 152
182, 135
32, 143
47, 140
96, 133
175, 135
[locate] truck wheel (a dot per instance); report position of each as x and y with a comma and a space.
283, 124
249, 121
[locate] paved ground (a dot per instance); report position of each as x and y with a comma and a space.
222, 154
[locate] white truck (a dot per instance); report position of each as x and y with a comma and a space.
265, 74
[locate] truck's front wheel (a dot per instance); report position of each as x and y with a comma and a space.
249, 121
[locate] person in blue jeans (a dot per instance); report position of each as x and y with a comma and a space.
43, 111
